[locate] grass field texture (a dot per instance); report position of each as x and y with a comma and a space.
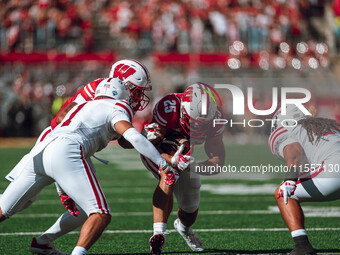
238, 213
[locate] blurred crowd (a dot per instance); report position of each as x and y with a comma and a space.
31, 95
176, 25
271, 33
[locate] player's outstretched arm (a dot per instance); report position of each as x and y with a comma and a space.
141, 144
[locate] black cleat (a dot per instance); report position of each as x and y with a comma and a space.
156, 243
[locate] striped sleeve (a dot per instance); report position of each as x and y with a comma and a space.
88, 91
126, 108
278, 140
157, 116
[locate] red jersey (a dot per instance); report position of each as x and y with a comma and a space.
167, 114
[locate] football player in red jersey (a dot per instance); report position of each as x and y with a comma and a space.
190, 114
137, 78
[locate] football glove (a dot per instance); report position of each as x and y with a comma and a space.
151, 131
181, 161
171, 175
69, 204
287, 189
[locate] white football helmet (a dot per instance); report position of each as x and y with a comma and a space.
198, 108
113, 88
137, 78
293, 115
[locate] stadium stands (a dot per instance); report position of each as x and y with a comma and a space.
48, 48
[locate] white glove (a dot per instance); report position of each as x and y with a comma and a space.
152, 131
181, 161
287, 189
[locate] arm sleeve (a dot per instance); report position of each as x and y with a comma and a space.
144, 147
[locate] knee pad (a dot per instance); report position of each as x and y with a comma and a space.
188, 195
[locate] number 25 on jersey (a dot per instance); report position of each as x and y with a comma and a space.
169, 106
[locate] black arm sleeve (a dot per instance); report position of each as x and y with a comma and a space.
292, 174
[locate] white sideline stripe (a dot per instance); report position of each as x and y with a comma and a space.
310, 211
173, 231
118, 214
147, 200
239, 189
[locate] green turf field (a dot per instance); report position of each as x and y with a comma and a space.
231, 221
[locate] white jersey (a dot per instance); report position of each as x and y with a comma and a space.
315, 152
91, 124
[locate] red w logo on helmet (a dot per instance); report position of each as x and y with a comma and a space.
123, 71
187, 95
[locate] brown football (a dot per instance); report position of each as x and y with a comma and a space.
171, 143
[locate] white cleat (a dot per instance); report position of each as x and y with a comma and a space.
45, 249
190, 237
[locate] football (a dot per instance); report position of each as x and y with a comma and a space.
171, 143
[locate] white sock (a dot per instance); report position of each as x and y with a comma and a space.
64, 224
159, 228
298, 232
78, 250
181, 227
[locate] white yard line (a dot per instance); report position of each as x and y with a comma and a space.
310, 211
172, 231
149, 200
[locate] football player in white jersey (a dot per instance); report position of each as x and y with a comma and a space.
310, 148
61, 158
130, 71
182, 113
135, 75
